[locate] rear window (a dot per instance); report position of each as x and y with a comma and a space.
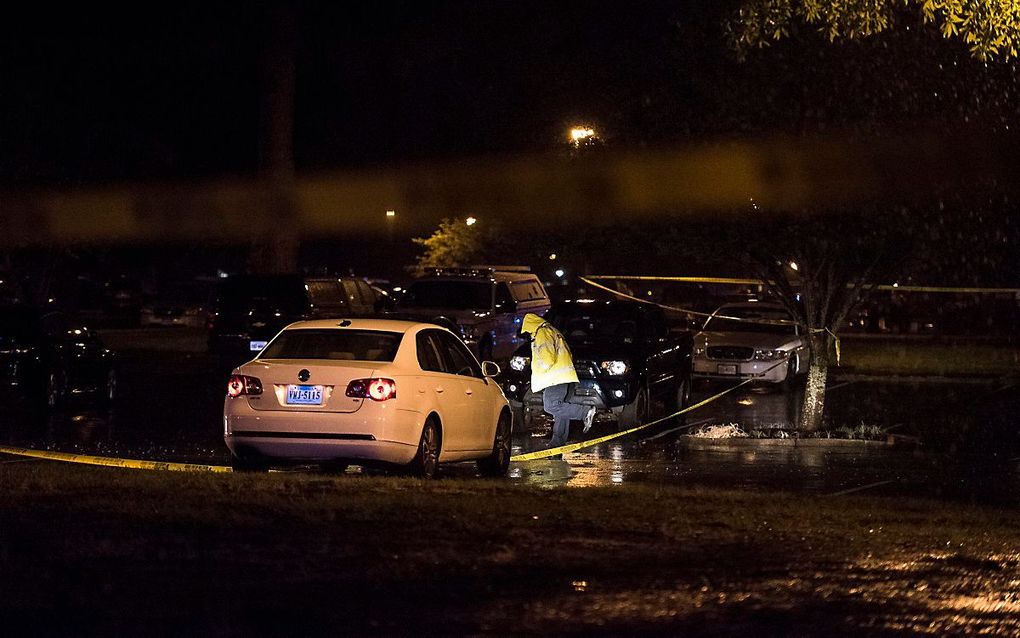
528, 291
353, 345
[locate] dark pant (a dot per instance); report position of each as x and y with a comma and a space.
554, 402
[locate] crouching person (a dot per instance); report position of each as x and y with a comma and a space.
552, 373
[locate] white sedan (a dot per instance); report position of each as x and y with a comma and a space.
751, 339
334, 392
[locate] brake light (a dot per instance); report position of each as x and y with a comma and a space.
375, 389
240, 384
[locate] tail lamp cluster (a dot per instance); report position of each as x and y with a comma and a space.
241, 384
375, 389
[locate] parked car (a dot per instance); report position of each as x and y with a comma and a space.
46, 357
627, 359
484, 304
367, 391
250, 309
179, 304
748, 339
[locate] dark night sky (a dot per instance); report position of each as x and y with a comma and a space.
97, 94
111, 93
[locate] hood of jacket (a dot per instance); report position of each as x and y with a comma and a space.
531, 323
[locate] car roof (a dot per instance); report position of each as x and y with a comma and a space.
486, 274
387, 325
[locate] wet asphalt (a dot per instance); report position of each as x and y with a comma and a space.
928, 444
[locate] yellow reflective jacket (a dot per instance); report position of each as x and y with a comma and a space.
551, 363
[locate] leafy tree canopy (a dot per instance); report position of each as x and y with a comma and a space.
989, 28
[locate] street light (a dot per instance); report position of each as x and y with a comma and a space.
579, 134
470, 221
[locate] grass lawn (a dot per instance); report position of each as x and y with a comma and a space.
922, 357
98, 550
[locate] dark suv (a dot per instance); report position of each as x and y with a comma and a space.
250, 309
483, 304
627, 359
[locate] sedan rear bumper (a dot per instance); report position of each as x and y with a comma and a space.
375, 432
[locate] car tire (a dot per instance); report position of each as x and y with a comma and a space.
426, 459
497, 464
636, 412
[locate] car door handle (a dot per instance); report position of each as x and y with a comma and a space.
439, 390
468, 391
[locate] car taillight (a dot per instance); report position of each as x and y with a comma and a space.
375, 389
240, 384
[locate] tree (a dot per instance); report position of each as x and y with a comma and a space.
820, 267
453, 244
989, 28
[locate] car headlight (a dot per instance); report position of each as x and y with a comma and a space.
699, 351
614, 368
519, 363
769, 355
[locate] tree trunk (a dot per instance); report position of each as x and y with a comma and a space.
814, 394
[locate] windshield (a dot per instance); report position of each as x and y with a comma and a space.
457, 295
751, 318
589, 323
354, 345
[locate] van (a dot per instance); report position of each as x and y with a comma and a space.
483, 304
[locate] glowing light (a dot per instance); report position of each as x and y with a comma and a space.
559, 272
794, 266
552, 257
470, 221
391, 213
580, 133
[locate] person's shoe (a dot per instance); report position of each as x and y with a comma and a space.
588, 418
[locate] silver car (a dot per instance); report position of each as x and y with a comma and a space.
751, 339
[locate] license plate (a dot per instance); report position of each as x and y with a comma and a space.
727, 368
304, 395
257, 345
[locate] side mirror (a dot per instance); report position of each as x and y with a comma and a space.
490, 369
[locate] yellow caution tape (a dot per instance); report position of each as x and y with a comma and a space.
112, 461
572, 447
771, 322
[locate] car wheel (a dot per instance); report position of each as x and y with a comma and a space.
498, 463
247, 465
426, 460
635, 413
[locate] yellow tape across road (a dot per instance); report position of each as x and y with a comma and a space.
572, 447
192, 467
113, 462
